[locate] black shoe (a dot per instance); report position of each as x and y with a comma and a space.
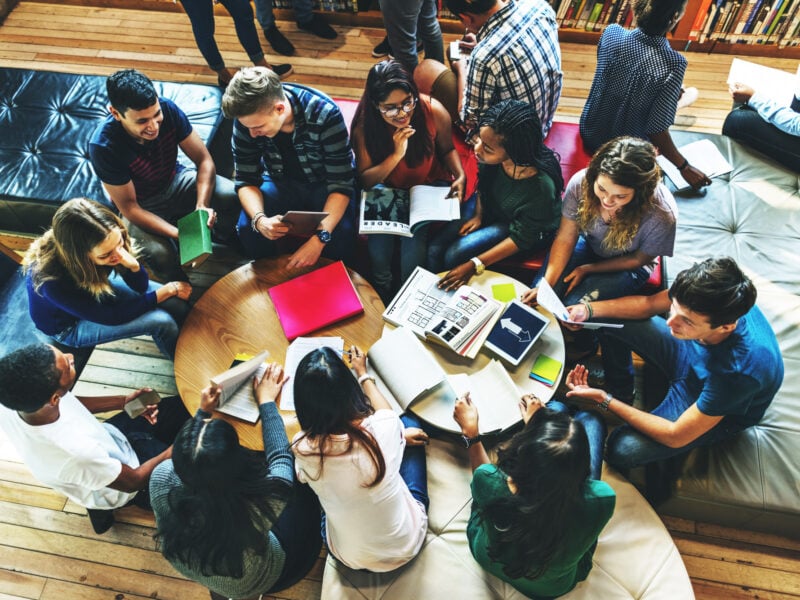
382, 49
278, 41
102, 520
319, 27
282, 70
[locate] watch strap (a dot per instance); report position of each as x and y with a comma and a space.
469, 441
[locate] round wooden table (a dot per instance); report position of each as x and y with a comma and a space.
236, 315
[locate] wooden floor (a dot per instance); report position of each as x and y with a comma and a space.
47, 548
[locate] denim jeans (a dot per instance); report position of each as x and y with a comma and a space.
157, 323
201, 14
595, 428
303, 12
652, 340
284, 195
413, 253
408, 21
746, 126
601, 286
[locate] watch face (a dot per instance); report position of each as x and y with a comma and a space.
324, 236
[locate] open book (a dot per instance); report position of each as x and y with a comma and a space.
702, 154
398, 212
236, 397
776, 84
411, 375
459, 320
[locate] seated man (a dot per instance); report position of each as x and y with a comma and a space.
99, 466
291, 151
516, 57
135, 151
637, 84
717, 350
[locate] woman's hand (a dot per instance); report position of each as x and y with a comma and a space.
465, 414
358, 361
271, 383
127, 260
578, 384
528, 405
181, 289
457, 188
209, 399
400, 139
414, 436
530, 296
470, 225
578, 274
457, 276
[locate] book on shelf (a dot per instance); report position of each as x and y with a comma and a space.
398, 212
699, 19
594, 15
459, 320
236, 397
515, 333
194, 238
703, 155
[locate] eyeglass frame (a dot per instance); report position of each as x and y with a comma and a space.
395, 110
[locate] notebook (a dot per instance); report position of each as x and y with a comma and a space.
315, 300
194, 238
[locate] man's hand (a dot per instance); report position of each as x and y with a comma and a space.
576, 312
358, 361
578, 384
465, 414
528, 405
212, 215
414, 436
271, 383
306, 255
400, 139
457, 276
529, 297
741, 92
470, 225
467, 43
209, 399
150, 413
695, 177
272, 228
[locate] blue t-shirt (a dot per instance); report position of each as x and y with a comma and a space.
118, 158
742, 374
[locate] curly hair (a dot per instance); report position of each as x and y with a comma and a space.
29, 377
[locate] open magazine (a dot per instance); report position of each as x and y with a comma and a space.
236, 397
398, 212
459, 320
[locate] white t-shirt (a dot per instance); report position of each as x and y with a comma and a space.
75, 455
379, 528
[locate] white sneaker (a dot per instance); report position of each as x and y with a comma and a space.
688, 97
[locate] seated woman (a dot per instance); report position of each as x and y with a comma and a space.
617, 217
366, 466
233, 519
518, 202
201, 14
86, 287
765, 125
537, 513
401, 139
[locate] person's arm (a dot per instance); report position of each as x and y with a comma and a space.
276, 445
782, 117
358, 362
627, 307
461, 274
560, 252
124, 198
693, 176
133, 480
371, 174
197, 152
100, 404
465, 413
478, 87
624, 262
446, 150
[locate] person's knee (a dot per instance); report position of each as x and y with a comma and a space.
426, 73
622, 449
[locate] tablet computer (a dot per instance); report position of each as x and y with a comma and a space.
515, 332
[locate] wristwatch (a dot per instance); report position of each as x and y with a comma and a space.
479, 266
324, 236
468, 441
604, 404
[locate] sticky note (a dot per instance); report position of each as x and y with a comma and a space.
504, 292
545, 369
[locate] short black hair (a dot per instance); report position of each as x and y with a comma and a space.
130, 89
28, 378
473, 7
656, 17
716, 288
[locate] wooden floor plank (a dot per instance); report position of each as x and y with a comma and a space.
20, 585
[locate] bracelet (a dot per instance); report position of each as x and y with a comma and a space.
604, 404
254, 222
589, 309
174, 287
684, 165
365, 377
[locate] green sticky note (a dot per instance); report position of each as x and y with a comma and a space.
504, 292
545, 369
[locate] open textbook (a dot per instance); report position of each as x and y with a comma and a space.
398, 212
411, 375
236, 397
459, 320
548, 299
702, 154
776, 84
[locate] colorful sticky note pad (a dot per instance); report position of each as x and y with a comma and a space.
504, 292
545, 369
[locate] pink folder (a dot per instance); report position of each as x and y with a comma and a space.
316, 299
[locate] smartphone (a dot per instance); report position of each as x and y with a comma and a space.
138, 405
454, 50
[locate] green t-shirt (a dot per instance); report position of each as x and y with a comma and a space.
531, 206
575, 559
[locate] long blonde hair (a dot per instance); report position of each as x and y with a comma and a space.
63, 251
629, 162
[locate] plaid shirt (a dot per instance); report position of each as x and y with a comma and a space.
518, 57
319, 137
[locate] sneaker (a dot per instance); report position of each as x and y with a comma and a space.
319, 27
278, 41
382, 49
688, 97
282, 70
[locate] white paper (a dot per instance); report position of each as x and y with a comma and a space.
494, 394
702, 154
242, 403
547, 298
296, 352
773, 83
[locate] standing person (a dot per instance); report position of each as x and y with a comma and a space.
291, 151
407, 25
98, 465
401, 139
201, 14
135, 154
366, 464
518, 202
233, 519
86, 286
537, 513
514, 54
617, 217
307, 20
637, 84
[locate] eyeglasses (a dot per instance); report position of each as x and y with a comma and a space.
393, 111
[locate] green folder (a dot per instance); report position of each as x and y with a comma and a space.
545, 369
194, 238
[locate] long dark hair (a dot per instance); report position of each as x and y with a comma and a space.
548, 461
328, 400
517, 125
384, 78
214, 518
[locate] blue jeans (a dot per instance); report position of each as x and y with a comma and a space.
303, 12
413, 253
284, 195
408, 20
157, 323
652, 340
201, 14
595, 428
746, 126
601, 286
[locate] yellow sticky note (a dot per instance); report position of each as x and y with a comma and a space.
504, 292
